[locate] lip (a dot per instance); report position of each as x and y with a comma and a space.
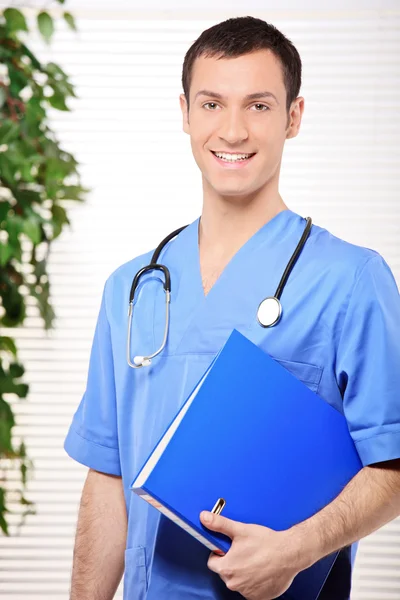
240, 164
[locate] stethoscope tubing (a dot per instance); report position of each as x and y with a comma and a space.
140, 361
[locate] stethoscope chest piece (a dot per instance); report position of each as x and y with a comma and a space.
269, 311
268, 314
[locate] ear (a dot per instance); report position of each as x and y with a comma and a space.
185, 113
294, 119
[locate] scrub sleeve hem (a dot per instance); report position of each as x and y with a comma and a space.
381, 447
92, 455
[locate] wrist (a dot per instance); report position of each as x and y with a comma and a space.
307, 543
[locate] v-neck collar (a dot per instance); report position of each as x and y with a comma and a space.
267, 234
191, 310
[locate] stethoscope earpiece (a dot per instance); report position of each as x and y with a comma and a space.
141, 361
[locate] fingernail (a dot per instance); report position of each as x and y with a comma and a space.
206, 517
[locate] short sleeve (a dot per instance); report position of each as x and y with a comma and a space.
92, 438
368, 363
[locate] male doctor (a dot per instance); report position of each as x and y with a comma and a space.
339, 334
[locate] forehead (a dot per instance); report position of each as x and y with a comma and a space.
240, 75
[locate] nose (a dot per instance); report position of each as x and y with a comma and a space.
233, 129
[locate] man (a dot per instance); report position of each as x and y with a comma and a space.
338, 334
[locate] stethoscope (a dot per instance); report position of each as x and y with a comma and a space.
269, 310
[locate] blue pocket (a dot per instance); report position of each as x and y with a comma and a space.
135, 577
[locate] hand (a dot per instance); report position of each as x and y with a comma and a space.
261, 563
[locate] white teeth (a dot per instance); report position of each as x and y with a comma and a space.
231, 157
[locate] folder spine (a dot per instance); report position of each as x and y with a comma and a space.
173, 516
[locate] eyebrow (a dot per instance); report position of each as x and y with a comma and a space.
253, 96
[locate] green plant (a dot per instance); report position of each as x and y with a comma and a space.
36, 177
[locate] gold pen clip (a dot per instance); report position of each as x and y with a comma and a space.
218, 506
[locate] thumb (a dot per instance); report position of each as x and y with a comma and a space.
221, 524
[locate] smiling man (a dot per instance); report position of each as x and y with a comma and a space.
339, 333
237, 136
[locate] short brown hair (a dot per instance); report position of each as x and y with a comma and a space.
242, 35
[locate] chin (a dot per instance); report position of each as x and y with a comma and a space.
233, 193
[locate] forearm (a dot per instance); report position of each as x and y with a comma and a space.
98, 562
369, 501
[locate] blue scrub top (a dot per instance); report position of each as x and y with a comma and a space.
339, 334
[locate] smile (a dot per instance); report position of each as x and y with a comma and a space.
232, 160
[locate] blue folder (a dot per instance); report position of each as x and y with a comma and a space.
255, 436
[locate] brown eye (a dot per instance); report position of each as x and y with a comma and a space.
209, 103
263, 105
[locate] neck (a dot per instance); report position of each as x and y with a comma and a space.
228, 222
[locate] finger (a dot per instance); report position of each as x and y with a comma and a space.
214, 562
221, 524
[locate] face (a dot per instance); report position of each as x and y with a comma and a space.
229, 114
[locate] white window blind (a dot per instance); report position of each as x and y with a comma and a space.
126, 130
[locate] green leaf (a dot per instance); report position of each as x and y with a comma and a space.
61, 86
46, 25
6, 169
18, 79
58, 80
14, 226
32, 230
13, 243
9, 131
15, 20
57, 101
22, 450
4, 209
3, 525
71, 192
59, 219
6, 252
26, 502
16, 370
55, 71
34, 115
26, 198
57, 169
23, 469
70, 20
40, 269
17, 161
3, 96
35, 63
5, 53
7, 420
12, 300
3, 510
42, 294
9, 387
8, 344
